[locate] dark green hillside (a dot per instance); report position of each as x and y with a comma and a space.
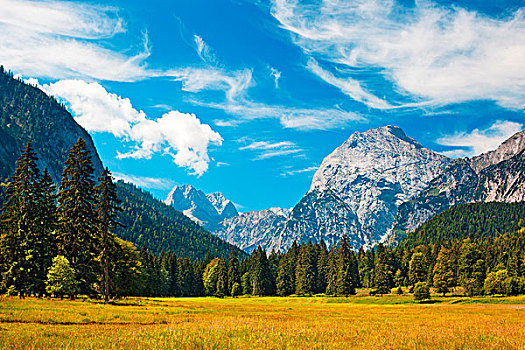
148, 221
28, 114
471, 220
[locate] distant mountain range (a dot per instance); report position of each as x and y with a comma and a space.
28, 114
377, 186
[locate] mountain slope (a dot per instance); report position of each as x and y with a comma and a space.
248, 230
149, 222
498, 175
470, 220
359, 187
28, 114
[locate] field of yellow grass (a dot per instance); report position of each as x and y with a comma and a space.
361, 322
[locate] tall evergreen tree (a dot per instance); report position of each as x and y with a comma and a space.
19, 226
222, 279
284, 279
322, 267
260, 273
234, 275
331, 278
306, 273
45, 238
107, 210
345, 269
77, 235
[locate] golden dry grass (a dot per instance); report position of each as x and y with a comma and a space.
392, 322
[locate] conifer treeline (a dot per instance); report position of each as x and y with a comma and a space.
62, 242
39, 224
481, 266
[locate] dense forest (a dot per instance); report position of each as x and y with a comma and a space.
61, 241
48, 233
472, 220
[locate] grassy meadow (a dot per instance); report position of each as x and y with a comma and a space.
361, 322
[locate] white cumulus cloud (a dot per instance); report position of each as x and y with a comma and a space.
180, 135
95, 108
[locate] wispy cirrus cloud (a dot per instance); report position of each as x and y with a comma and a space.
267, 149
44, 28
59, 40
310, 169
65, 37
276, 75
239, 104
430, 52
479, 141
304, 119
348, 86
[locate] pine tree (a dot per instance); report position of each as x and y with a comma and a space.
107, 209
322, 268
331, 278
222, 279
260, 274
383, 272
306, 270
345, 270
284, 280
19, 239
173, 271
246, 284
77, 235
234, 275
47, 220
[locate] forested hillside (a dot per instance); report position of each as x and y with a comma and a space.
149, 222
471, 220
28, 114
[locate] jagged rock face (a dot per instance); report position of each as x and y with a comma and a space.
224, 207
503, 182
506, 150
206, 210
320, 215
498, 175
248, 230
359, 187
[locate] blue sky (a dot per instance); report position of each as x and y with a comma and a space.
248, 97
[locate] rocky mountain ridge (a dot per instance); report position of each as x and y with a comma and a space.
375, 187
358, 188
497, 175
